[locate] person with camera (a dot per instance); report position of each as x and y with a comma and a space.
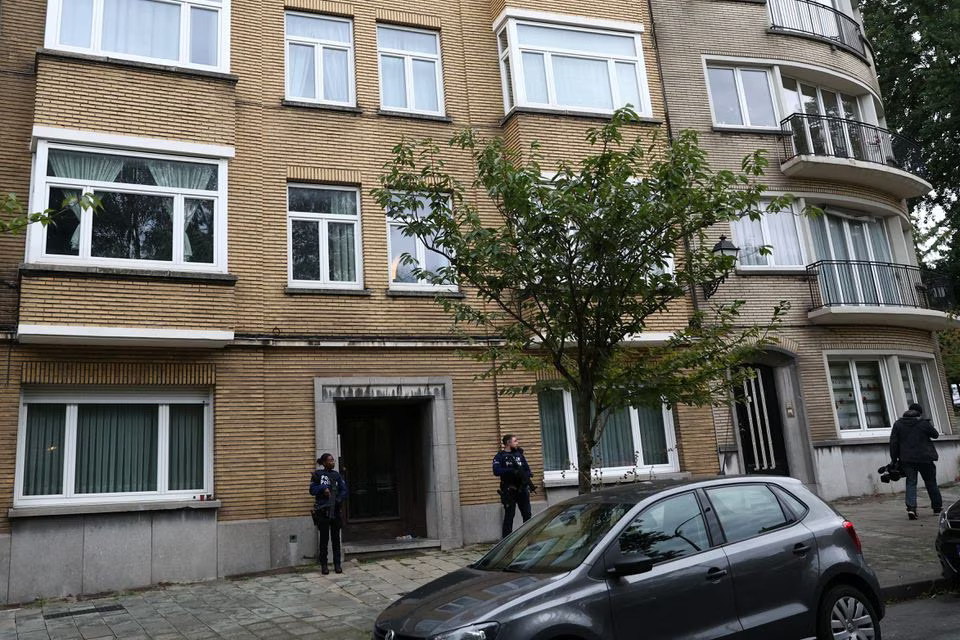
515, 482
329, 489
911, 444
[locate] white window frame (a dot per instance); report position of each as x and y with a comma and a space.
36, 234
323, 219
52, 37
771, 259
75, 396
929, 403
850, 360
515, 51
319, 46
741, 96
611, 474
408, 58
420, 285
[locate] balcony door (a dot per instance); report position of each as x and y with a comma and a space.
859, 269
835, 127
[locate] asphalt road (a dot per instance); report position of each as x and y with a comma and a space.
936, 618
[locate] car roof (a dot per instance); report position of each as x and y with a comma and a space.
634, 492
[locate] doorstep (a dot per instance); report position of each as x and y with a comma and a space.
388, 546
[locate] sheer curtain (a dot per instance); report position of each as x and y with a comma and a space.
750, 238
342, 254
336, 84
82, 166
893, 283
302, 82
782, 228
186, 447
142, 27
615, 448
553, 430
653, 436
116, 448
43, 452
580, 82
186, 175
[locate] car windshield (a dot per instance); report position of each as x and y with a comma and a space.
556, 540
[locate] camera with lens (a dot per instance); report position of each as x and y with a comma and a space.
890, 472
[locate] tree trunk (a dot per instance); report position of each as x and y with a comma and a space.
583, 421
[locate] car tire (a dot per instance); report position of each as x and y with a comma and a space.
845, 608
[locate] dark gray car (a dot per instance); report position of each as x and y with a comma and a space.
743, 557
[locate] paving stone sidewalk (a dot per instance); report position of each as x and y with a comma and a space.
306, 604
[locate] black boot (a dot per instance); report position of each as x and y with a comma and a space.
324, 569
337, 568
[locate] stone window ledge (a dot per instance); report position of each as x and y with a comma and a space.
119, 507
150, 66
79, 271
874, 440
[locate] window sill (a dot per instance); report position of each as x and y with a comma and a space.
873, 439
414, 116
398, 293
571, 113
750, 130
320, 291
321, 106
78, 271
120, 507
150, 66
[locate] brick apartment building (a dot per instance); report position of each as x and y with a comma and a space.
176, 362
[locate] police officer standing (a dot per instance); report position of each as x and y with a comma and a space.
330, 490
515, 481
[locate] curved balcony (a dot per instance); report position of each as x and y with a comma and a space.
831, 148
818, 20
879, 293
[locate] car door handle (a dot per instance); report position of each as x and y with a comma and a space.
801, 549
715, 573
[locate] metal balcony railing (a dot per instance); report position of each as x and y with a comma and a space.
817, 19
836, 283
818, 135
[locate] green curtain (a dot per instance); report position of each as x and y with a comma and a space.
553, 430
653, 436
186, 447
615, 448
116, 448
43, 454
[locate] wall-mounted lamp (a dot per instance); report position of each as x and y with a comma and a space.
722, 248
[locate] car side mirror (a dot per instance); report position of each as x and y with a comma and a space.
630, 566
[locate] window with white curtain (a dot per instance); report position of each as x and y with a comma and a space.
187, 33
400, 245
637, 439
571, 68
915, 376
861, 394
324, 236
777, 231
319, 59
157, 211
411, 77
857, 258
114, 447
742, 97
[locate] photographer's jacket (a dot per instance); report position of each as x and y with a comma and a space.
323, 479
910, 439
512, 469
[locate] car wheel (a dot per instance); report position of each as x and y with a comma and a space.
846, 614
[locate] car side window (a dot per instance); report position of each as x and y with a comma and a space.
672, 528
747, 510
792, 503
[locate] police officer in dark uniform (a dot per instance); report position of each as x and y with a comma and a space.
330, 490
515, 481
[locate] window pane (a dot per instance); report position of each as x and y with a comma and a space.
670, 529
723, 92
203, 36
103, 167
63, 232
555, 37
198, 230
399, 245
403, 40
535, 78
615, 448
76, 18
342, 251
336, 80
553, 430
921, 395
629, 86
508, 81
335, 201
116, 448
582, 83
100, 167
745, 511
782, 227
425, 95
871, 391
791, 96
306, 250
393, 82
142, 27
186, 447
318, 28
434, 261
843, 395
43, 451
133, 226
750, 238
653, 436
756, 89
302, 74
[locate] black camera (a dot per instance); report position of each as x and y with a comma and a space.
890, 472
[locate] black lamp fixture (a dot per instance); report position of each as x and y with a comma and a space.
722, 248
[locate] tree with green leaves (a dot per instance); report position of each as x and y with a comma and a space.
564, 272
14, 217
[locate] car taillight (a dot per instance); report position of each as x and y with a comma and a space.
852, 532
